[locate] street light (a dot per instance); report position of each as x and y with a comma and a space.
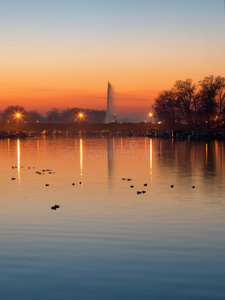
18, 115
150, 116
80, 116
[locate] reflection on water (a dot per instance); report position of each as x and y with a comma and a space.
177, 161
81, 156
18, 160
38, 149
150, 159
8, 145
105, 241
110, 157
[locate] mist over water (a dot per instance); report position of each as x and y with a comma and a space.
105, 241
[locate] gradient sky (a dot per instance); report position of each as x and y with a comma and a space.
62, 53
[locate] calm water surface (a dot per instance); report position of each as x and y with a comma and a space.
105, 241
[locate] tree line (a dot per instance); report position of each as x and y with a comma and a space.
193, 104
69, 115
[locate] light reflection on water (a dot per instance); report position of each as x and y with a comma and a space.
81, 156
105, 241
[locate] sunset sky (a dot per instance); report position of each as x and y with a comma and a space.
62, 53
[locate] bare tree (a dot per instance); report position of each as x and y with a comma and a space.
208, 92
185, 92
69, 115
33, 116
53, 115
220, 84
166, 108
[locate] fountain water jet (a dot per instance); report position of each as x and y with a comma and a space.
109, 112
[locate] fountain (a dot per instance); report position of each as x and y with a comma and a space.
109, 112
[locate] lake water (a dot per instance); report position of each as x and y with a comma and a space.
105, 241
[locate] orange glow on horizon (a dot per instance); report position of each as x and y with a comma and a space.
56, 66
48, 85
129, 97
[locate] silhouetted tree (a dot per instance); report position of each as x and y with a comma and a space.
191, 103
166, 107
208, 92
71, 115
33, 116
185, 92
53, 115
220, 84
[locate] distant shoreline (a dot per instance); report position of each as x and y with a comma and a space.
114, 129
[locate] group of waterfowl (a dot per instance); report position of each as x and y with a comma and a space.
55, 207
49, 171
74, 183
145, 184
132, 186
128, 179
42, 172
21, 167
